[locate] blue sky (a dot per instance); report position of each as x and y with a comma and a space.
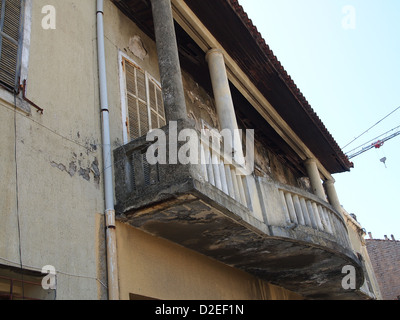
351, 78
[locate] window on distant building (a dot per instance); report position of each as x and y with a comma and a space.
11, 39
143, 108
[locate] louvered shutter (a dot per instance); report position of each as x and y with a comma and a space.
138, 119
10, 42
143, 100
156, 106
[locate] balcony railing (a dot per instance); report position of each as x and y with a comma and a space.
300, 209
245, 221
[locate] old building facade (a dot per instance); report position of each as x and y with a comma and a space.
84, 82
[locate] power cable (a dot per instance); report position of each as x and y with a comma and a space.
371, 127
373, 140
17, 196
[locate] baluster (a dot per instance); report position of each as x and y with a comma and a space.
311, 212
306, 214
215, 166
284, 207
235, 183
229, 181
331, 217
327, 219
241, 190
223, 177
298, 210
290, 205
317, 216
246, 189
322, 216
210, 172
203, 162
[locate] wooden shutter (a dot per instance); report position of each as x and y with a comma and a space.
160, 107
144, 100
156, 106
10, 42
138, 118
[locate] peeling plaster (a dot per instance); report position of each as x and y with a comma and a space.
84, 172
72, 169
136, 46
59, 166
96, 171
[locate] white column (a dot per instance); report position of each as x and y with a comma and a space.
223, 97
315, 178
332, 195
227, 119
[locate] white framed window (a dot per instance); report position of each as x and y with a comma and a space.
142, 104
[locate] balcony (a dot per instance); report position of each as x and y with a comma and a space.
281, 234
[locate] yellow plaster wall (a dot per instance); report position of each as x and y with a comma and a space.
156, 268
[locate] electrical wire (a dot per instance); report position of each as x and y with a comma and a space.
17, 195
373, 140
371, 128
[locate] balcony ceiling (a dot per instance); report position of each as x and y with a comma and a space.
259, 63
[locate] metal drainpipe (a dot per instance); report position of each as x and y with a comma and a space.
112, 268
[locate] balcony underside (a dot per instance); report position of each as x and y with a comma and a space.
202, 218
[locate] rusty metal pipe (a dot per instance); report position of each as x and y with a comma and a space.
23, 88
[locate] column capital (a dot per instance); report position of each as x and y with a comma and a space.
330, 181
213, 51
310, 160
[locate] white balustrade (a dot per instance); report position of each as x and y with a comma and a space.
220, 171
301, 210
